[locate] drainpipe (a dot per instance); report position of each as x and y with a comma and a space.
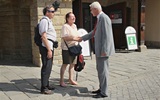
141, 25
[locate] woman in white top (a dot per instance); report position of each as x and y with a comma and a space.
68, 32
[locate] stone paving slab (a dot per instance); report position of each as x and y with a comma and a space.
133, 76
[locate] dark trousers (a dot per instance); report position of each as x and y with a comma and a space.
46, 67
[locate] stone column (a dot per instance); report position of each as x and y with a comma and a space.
34, 20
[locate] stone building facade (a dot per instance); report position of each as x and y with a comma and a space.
17, 21
19, 17
58, 20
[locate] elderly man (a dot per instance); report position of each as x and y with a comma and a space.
104, 47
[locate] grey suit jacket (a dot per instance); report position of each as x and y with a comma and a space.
103, 37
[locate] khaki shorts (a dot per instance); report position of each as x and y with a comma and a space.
67, 58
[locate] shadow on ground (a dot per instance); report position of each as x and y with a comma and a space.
32, 87
17, 63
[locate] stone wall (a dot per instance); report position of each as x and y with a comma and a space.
14, 31
152, 32
34, 21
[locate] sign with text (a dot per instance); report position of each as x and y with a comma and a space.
131, 38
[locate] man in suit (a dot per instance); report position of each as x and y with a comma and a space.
104, 47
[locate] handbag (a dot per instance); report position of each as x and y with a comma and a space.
74, 50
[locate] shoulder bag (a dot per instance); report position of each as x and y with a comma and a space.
74, 50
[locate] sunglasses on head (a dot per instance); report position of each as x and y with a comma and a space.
52, 11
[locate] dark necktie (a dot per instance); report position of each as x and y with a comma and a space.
94, 31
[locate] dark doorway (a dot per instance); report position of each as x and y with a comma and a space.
88, 21
84, 18
15, 32
77, 10
87, 17
120, 15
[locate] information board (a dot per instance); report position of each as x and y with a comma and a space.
131, 38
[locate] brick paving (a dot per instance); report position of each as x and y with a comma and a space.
133, 76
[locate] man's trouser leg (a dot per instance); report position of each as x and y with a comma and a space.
102, 68
46, 68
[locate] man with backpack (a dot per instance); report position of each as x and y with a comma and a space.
48, 36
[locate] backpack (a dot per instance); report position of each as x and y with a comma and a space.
80, 64
37, 36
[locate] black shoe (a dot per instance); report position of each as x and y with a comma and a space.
50, 88
97, 91
99, 95
46, 91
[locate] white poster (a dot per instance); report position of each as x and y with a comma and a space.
84, 44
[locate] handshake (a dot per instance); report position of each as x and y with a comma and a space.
79, 39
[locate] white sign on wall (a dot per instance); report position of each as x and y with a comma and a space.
84, 44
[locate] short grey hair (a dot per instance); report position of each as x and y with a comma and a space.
46, 8
96, 5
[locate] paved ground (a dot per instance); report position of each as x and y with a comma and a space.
133, 76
